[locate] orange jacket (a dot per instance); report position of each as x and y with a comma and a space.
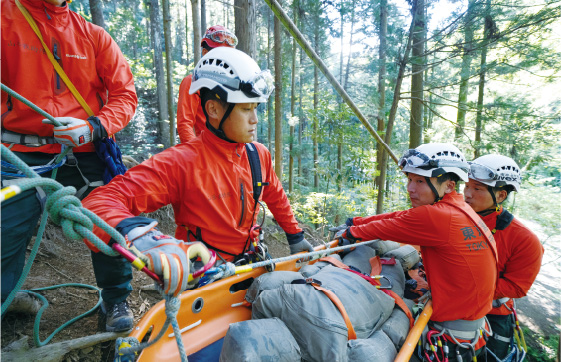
189, 112
460, 265
90, 58
520, 258
207, 181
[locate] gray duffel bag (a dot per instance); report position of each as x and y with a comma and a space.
259, 340
315, 322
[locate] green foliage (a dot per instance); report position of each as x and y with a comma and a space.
325, 210
541, 348
539, 202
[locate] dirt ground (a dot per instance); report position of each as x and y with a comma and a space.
61, 261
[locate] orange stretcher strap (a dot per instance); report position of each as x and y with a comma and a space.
339, 305
376, 265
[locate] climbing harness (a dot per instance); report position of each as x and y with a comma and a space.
463, 334
517, 343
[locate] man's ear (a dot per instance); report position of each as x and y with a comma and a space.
450, 186
501, 196
214, 109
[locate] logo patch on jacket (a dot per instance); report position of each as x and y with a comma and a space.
219, 196
77, 56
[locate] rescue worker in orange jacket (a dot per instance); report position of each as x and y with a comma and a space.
491, 179
98, 70
190, 116
208, 181
458, 250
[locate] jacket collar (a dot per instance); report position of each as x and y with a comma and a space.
452, 198
42, 10
232, 151
491, 219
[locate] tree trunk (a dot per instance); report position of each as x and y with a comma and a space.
300, 112
196, 31
482, 71
179, 37
465, 70
380, 184
338, 130
278, 99
203, 17
96, 9
163, 116
393, 110
292, 104
246, 26
316, 103
270, 118
187, 33
346, 83
169, 71
417, 65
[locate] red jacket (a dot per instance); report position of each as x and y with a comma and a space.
90, 58
520, 258
189, 112
207, 181
461, 266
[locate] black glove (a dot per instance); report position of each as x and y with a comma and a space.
346, 238
338, 230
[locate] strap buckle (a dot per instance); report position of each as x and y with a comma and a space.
313, 281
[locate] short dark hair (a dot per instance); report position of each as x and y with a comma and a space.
448, 176
507, 188
207, 95
204, 45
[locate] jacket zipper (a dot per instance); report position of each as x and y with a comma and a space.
243, 204
57, 58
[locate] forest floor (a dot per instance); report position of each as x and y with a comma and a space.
60, 261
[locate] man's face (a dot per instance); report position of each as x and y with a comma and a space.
241, 125
420, 192
477, 196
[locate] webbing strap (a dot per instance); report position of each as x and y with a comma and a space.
376, 265
57, 66
401, 304
480, 225
339, 305
256, 176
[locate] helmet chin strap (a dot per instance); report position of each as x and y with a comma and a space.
219, 132
437, 197
496, 207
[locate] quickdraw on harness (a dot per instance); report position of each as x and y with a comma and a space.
517, 343
463, 333
254, 248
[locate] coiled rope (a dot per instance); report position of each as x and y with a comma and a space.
77, 223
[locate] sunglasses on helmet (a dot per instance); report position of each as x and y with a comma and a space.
487, 174
261, 85
417, 159
221, 36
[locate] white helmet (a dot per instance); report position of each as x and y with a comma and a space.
435, 159
496, 171
233, 75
